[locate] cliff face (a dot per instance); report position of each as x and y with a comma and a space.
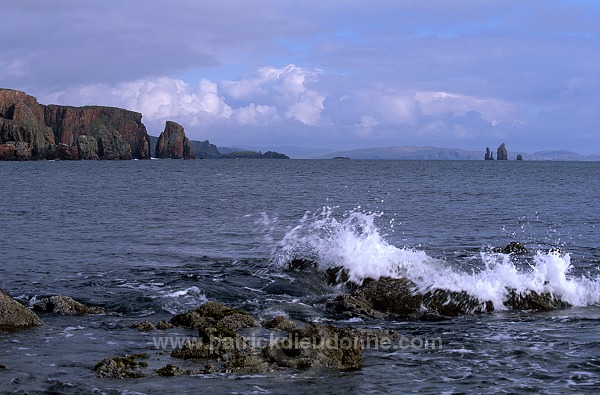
23, 133
173, 143
29, 130
95, 132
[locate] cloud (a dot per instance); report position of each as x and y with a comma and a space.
286, 88
337, 73
268, 95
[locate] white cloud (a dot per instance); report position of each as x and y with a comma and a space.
255, 115
287, 88
437, 104
411, 107
167, 98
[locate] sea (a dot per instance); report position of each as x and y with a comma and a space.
148, 239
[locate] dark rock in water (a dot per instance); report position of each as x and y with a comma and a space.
389, 297
280, 323
378, 298
519, 157
531, 300
301, 264
122, 367
13, 315
163, 325
502, 154
144, 326
337, 275
214, 319
318, 345
315, 345
2, 367
394, 296
349, 306
433, 316
60, 304
173, 143
452, 303
514, 247
170, 370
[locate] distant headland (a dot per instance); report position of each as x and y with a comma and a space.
33, 131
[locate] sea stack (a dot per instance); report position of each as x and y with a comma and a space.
488, 154
173, 143
502, 154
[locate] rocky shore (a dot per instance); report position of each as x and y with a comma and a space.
229, 340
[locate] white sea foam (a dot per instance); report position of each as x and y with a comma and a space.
181, 300
355, 243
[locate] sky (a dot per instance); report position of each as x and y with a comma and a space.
334, 74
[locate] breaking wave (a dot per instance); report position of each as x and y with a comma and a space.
355, 243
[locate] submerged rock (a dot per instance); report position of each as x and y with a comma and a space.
60, 304
14, 315
122, 367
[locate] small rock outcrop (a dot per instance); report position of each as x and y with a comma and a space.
514, 247
13, 315
126, 367
173, 143
502, 154
64, 305
519, 157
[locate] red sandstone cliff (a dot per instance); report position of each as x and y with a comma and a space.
29, 130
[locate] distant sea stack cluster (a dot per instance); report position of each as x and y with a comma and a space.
501, 153
33, 131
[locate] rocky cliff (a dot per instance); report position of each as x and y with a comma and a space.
173, 143
29, 130
23, 133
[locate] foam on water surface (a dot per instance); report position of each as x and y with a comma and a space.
354, 242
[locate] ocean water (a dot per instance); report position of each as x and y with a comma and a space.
147, 239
